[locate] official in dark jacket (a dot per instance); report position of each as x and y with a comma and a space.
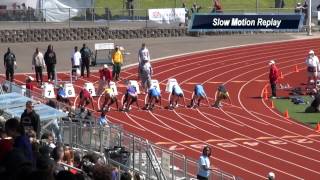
9, 64
30, 120
85, 59
51, 61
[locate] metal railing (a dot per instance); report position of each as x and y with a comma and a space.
146, 158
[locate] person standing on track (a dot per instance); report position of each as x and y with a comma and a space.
76, 62
198, 95
273, 78
145, 74
105, 78
51, 61
10, 64
117, 61
221, 95
143, 55
38, 64
85, 59
312, 62
204, 167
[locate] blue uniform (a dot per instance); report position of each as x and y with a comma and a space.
199, 91
131, 90
176, 90
154, 92
61, 92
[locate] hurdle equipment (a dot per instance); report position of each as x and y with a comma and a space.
135, 84
281, 75
296, 68
272, 105
48, 91
90, 88
113, 86
286, 114
69, 90
318, 127
171, 82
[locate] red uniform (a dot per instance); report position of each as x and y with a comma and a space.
29, 86
105, 74
274, 74
85, 94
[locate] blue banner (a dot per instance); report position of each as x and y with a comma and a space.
250, 22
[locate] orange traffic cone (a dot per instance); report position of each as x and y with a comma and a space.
272, 105
318, 127
281, 75
265, 95
296, 69
286, 114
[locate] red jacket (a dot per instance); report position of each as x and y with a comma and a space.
29, 86
274, 73
106, 73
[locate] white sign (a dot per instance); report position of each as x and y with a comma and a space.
171, 82
113, 86
90, 88
48, 91
168, 15
69, 90
135, 84
103, 46
318, 15
155, 83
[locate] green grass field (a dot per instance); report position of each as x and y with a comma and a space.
297, 111
228, 5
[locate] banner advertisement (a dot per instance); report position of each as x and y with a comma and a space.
168, 16
250, 22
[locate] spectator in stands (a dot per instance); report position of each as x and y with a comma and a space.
105, 78
21, 141
136, 176
273, 78
221, 95
54, 126
204, 164
85, 98
57, 155
68, 157
10, 64
109, 99
298, 8
51, 61
30, 120
76, 61
86, 54
117, 61
29, 86
62, 97
198, 95
125, 176
6, 144
154, 96
38, 64
176, 93
312, 62
130, 7
65, 175
186, 14
195, 8
102, 172
103, 121
217, 8
305, 8
130, 97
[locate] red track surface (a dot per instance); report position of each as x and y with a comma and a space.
248, 138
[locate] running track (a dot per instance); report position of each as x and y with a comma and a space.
249, 139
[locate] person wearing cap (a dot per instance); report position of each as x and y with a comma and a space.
30, 120
273, 78
154, 96
221, 95
312, 62
9, 64
109, 99
105, 75
130, 97
176, 93
117, 61
85, 98
198, 95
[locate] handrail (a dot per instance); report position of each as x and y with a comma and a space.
153, 158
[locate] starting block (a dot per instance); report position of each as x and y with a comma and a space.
155, 83
90, 88
113, 86
48, 91
69, 90
135, 84
171, 82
